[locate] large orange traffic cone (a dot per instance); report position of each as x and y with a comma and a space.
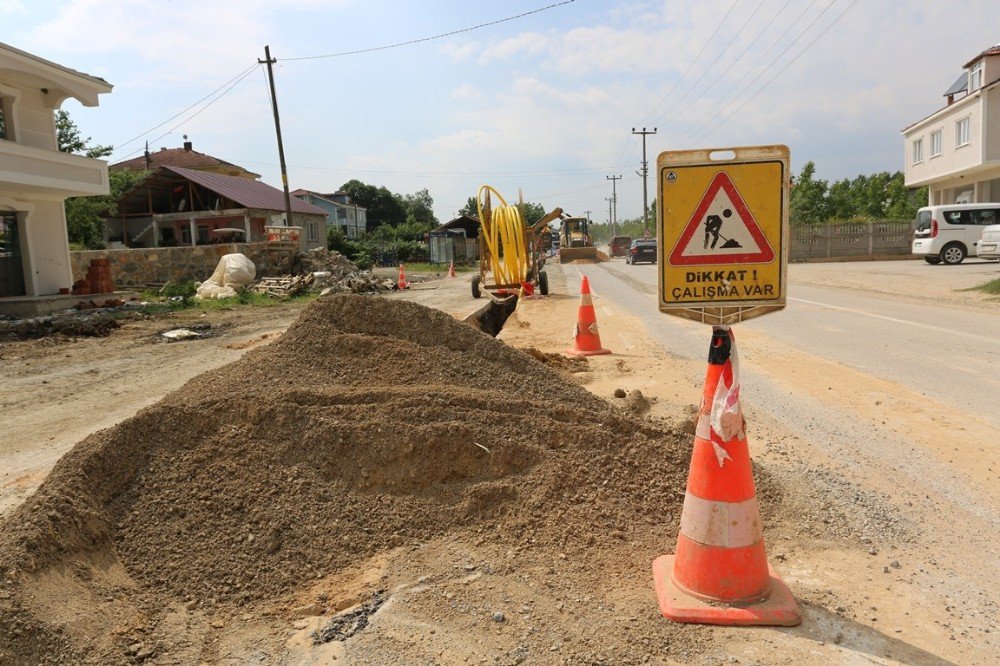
586, 337
719, 573
402, 283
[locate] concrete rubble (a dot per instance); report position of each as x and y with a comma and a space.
335, 273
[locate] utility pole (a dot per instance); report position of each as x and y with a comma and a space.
268, 60
645, 172
611, 222
614, 197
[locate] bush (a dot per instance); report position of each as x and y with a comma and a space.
184, 290
363, 260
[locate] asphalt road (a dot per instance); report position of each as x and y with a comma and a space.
950, 352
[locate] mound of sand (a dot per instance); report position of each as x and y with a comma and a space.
368, 425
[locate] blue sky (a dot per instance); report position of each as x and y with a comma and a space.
544, 103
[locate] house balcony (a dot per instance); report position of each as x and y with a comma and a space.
50, 172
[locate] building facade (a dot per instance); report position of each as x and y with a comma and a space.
36, 178
955, 151
173, 206
341, 212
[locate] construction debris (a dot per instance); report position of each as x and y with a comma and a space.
284, 286
370, 422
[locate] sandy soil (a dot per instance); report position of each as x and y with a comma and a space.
886, 570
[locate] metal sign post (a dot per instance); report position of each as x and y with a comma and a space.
723, 232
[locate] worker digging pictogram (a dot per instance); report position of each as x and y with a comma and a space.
722, 215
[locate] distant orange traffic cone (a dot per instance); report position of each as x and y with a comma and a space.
402, 283
586, 338
451, 270
719, 573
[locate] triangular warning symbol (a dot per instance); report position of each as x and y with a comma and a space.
722, 230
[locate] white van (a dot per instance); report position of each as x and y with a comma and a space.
989, 244
950, 233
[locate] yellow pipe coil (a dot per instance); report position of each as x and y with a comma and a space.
505, 239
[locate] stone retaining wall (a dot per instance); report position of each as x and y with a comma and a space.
141, 267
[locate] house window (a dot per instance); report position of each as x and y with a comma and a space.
976, 77
962, 132
313, 231
6, 125
918, 151
935, 143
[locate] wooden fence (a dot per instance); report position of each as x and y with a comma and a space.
854, 240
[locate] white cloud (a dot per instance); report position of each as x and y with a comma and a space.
9, 7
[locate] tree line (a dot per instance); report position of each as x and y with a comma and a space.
877, 196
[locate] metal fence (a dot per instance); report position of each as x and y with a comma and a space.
861, 239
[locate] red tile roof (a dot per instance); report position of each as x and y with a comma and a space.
177, 157
992, 51
247, 193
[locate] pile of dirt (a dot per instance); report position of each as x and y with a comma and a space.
370, 424
559, 361
73, 326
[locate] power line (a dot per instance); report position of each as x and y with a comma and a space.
737, 59
789, 64
119, 146
709, 68
194, 115
708, 41
749, 71
436, 173
432, 37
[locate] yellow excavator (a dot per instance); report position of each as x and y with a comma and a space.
575, 242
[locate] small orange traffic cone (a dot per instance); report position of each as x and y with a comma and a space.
719, 573
402, 283
451, 270
586, 337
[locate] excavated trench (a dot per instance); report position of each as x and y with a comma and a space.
491, 317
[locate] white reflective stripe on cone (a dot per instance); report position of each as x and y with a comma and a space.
586, 299
726, 524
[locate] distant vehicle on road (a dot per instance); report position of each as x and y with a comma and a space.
619, 245
641, 249
989, 244
950, 233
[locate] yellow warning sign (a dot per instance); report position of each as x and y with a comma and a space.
723, 232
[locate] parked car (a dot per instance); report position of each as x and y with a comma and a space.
989, 244
950, 233
641, 249
619, 245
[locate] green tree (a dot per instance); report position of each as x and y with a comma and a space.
85, 215
420, 209
808, 197
533, 212
470, 209
384, 207
71, 141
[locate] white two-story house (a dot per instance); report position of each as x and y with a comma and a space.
35, 177
955, 151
